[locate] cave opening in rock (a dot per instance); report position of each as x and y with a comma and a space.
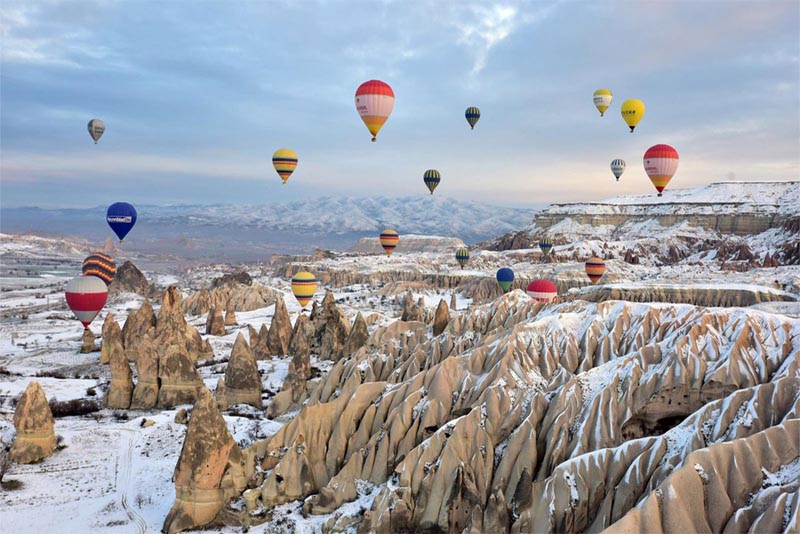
644, 427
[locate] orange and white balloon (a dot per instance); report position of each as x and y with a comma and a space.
374, 103
660, 164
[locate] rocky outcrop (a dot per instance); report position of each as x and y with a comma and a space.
441, 319
411, 311
241, 297
215, 324
687, 294
261, 349
357, 338
242, 381
120, 390
129, 279
535, 397
232, 279
138, 325
178, 378
172, 328
209, 471
145, 394
111, 334
35, 426
299, 344
293, 391
87, 342
280, 329
230, 315
336, 328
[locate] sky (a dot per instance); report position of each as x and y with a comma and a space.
196, 96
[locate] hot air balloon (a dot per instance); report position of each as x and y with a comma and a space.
100, 265
304, 285
472, 114
660, 164
285, 162
632, 111
121, 217
374, 102
505, 277
595, 267
86, 296
545, 244
431, 179
542, 290
462, 256
602, 99
389, 240
96, 129
617, 167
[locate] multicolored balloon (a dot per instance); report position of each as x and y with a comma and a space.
304, 286
100, 265
86, 296
431, 179
462, 256
542, 291
545, 244
374, 103
617, 167
121, 217
472, 114
505, 277
632, 111
595, 268
602, 99
660, 164
389, 240
96, 129
285, 162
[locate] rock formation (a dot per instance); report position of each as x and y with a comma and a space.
110, 334
411, 311
145, 394
303, 331
215, 324
139, 324
118, 395
172, 328
358, 337
453, 301
87, 342
179, 380
280, 329
129, 279
441, 319
35, 426
240, 296
209, 471
687, 294
230, 315
549, 406
335, 329
242, 381
261, 349
293, 390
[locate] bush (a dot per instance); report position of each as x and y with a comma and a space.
73, 407
52, 373
91, 392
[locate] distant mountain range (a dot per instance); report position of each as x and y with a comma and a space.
326, 222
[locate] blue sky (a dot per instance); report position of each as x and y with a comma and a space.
197, 95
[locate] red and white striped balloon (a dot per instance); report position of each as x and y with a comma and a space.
542, 291
660, 164
86, 296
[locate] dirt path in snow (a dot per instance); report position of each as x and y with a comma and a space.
124, 480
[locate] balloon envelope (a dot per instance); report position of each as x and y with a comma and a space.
431, 179
86, 296
374, 103
595, 268
632, 111
602, 99
389, 240
304, 285
285, 162
617, 167
96, 129
462, 256
100, 265
542, 290
472, 114
505, 277
545, 244
660, 164
121, 217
